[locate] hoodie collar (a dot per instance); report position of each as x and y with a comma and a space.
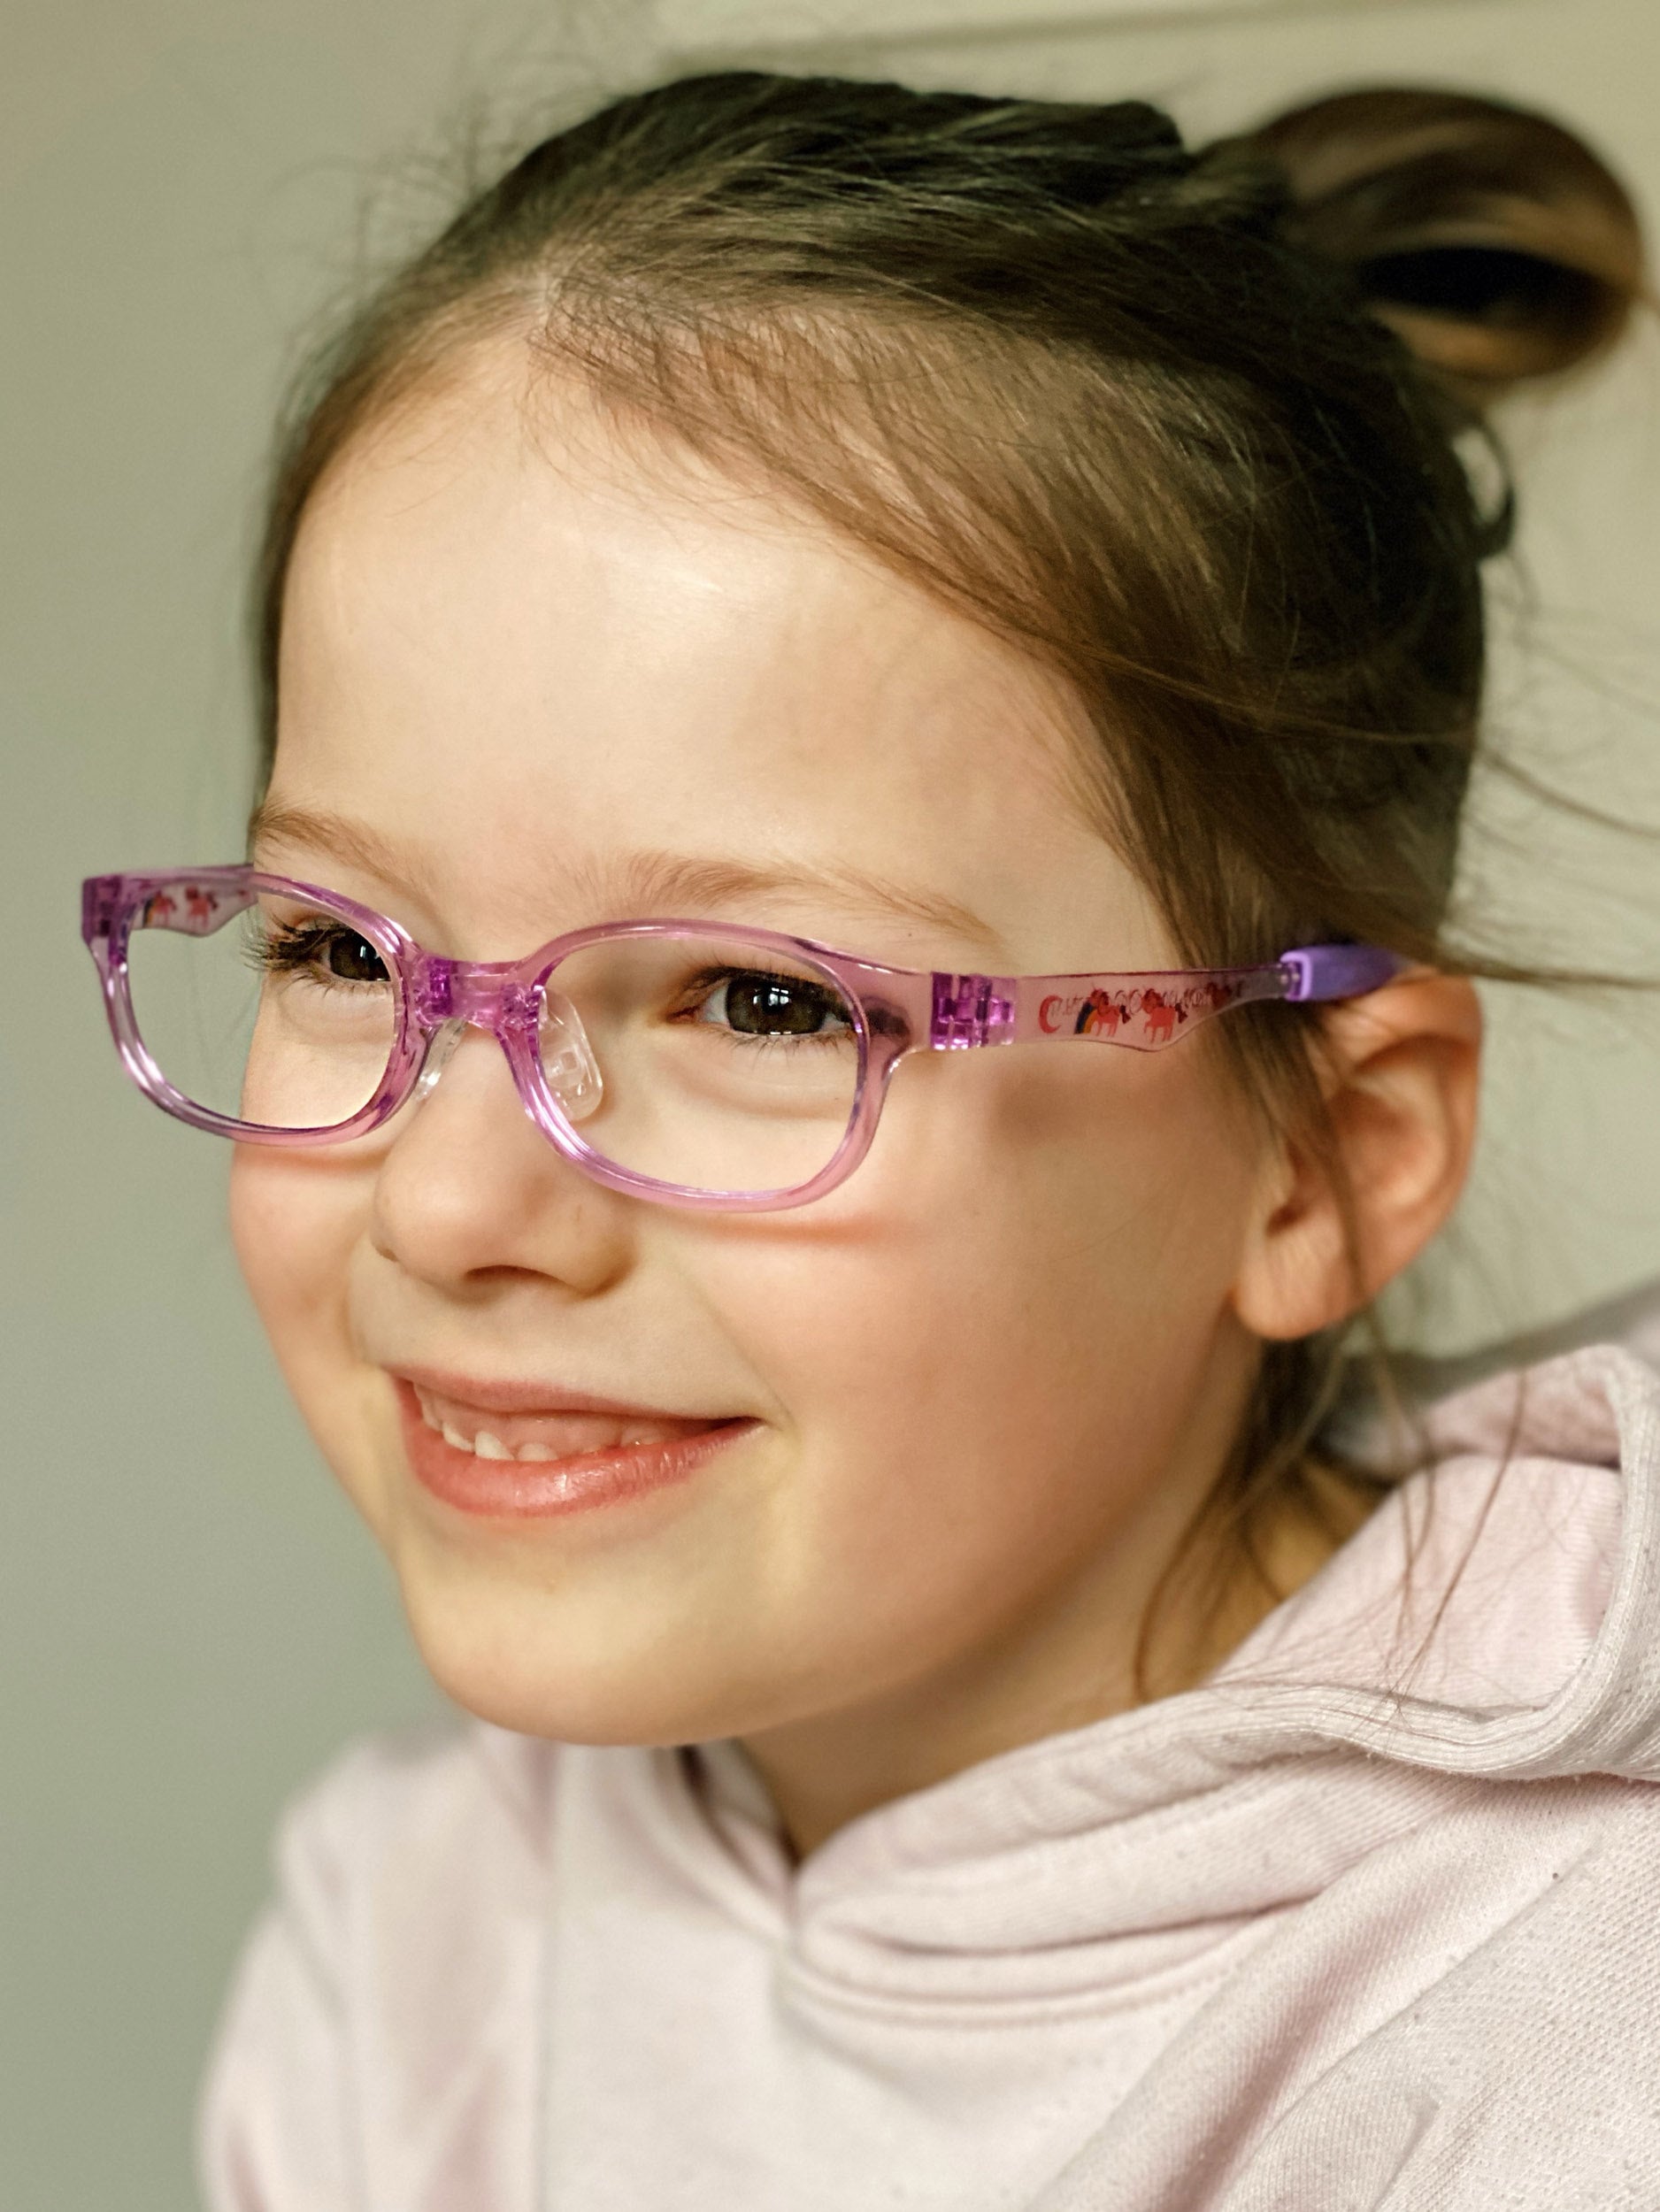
1530, 1648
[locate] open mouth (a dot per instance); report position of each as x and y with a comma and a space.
515, 1465
540, 1438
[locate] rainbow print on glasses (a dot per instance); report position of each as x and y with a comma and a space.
684, 1062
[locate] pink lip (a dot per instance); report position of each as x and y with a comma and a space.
539, 1489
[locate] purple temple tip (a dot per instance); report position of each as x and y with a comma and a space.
1324, 971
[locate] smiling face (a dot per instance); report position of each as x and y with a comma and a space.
529, 683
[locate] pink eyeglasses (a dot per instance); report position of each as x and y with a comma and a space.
684, 1062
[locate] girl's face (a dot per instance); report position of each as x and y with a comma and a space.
523, 677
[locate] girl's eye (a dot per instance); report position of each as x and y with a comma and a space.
352, 959
331, 952
751, 1003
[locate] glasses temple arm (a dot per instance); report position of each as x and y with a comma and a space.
1145, 1007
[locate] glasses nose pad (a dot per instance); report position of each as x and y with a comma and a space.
443, 1041
567, 1058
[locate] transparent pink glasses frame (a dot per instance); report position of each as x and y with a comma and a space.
894, 1010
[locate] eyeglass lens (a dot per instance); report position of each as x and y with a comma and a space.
708, 1062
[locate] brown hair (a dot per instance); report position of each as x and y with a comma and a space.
1183, 426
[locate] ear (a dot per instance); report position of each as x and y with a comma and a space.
1400, 1084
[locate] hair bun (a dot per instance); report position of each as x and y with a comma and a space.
1490, 238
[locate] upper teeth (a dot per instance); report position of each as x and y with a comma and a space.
485, 1443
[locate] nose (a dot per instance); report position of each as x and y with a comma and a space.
469, 1189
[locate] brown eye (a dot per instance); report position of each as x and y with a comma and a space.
322, 952
780, 1006
351, 959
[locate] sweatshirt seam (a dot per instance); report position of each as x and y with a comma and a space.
990, 2015
1222, 1800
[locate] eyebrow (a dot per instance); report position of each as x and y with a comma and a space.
636, 881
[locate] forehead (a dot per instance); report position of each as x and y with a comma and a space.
515, 649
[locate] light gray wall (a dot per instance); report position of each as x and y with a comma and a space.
189, 1619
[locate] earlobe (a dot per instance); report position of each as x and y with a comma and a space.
1345, 1209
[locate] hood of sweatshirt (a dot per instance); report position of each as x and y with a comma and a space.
1497, 1618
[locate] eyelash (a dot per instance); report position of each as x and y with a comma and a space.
294, 949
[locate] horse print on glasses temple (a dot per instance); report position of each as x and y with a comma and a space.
200, 914
1148, 1016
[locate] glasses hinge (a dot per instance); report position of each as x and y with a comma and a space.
100, 896
432, 992
971, 1010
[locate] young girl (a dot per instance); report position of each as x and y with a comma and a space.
868, 700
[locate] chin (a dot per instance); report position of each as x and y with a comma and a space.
538, 1668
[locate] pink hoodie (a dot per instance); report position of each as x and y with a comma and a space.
1290, 1942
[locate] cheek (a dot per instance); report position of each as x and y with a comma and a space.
1002, 1329
296, 1223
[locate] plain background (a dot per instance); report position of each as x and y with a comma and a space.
190, 1621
